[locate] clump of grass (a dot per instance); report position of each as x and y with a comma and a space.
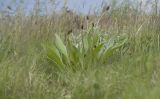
83, 51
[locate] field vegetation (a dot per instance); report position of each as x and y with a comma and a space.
113, 54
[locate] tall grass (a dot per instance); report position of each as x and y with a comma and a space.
114, 55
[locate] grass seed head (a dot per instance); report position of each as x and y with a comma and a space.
107, 8
82, 27
87, 17
8, 7
70, 31
93, 24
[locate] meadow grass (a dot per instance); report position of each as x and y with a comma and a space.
30, 69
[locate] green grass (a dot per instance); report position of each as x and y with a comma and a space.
39, 60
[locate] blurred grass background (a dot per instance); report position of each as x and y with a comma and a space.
132, 73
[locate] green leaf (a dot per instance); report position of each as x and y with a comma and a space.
107, 53
120, 43
54, 55
74, 53
97, 50
85, 43
61, 47
111, 48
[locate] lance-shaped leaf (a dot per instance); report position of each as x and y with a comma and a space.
54, 55
61, 47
